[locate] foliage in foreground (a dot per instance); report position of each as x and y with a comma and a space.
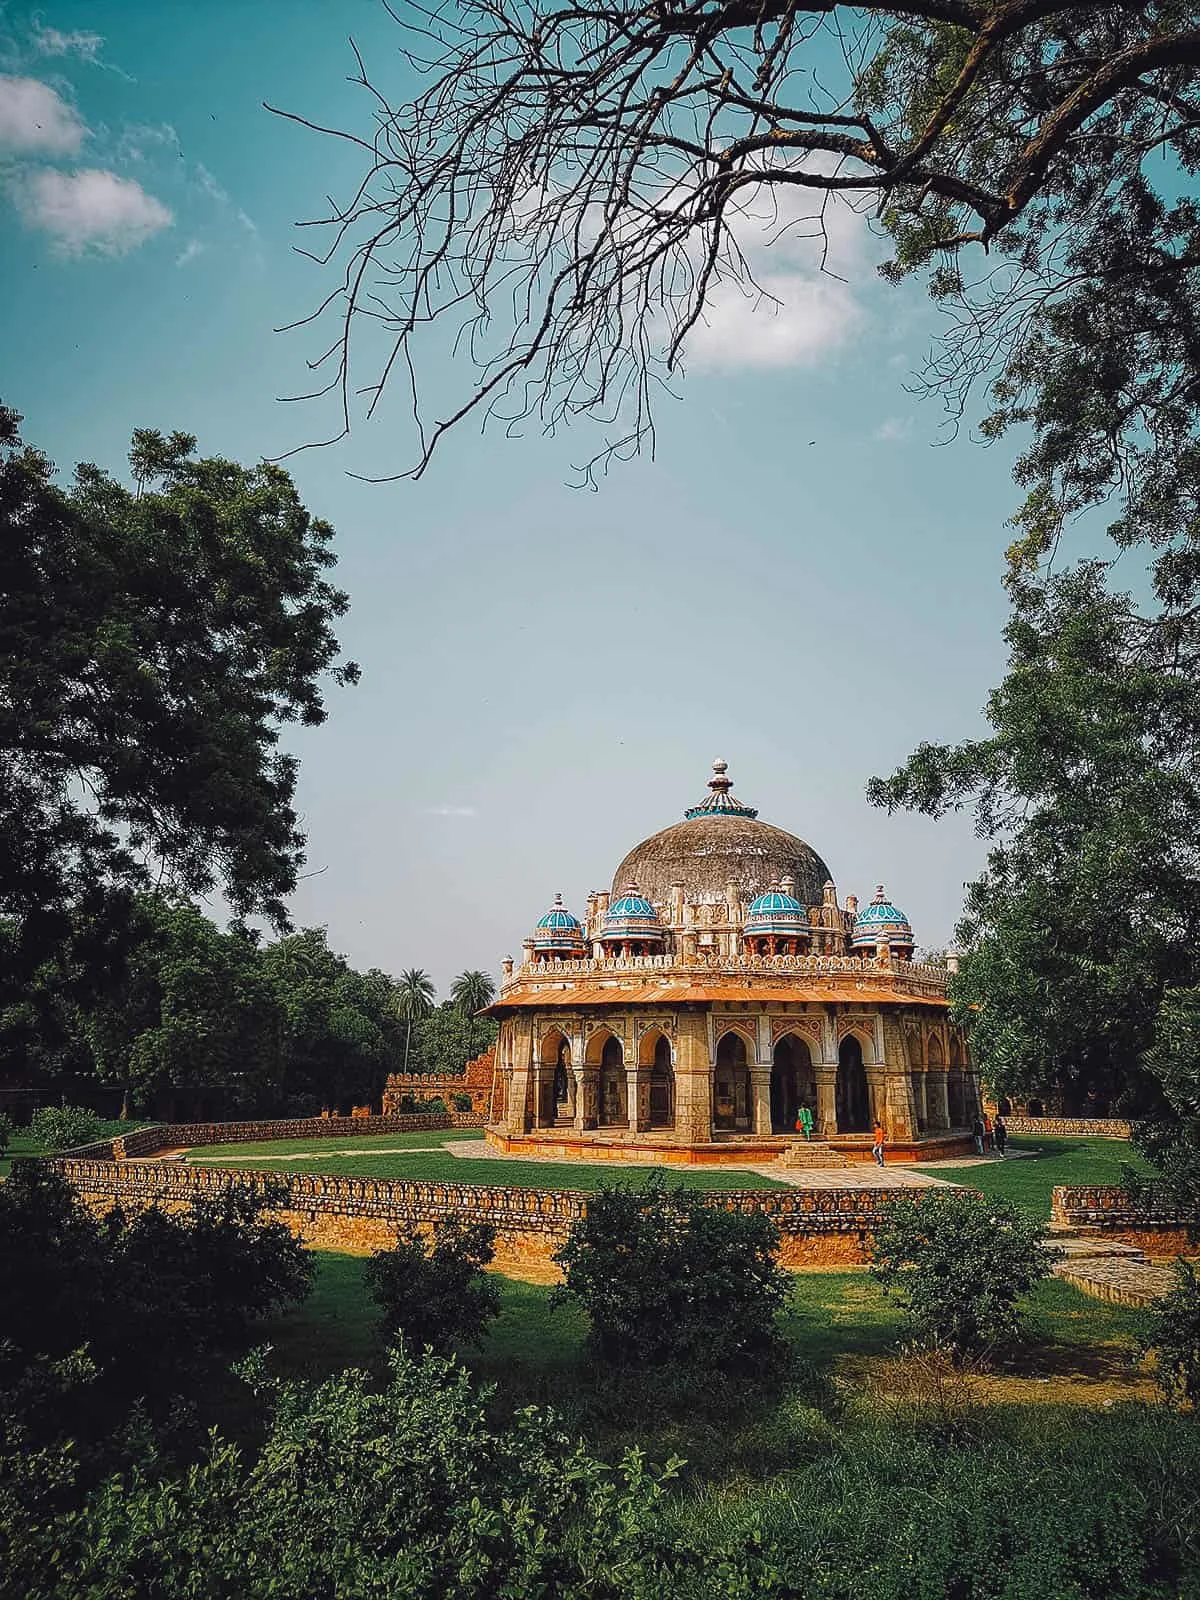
436, 1293
408, 1490
6, 1131
1174, 1337
148, 1297
959, 1263
670, 1278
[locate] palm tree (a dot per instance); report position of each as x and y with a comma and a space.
471, 991
415, 994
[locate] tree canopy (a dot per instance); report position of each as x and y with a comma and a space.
153, 643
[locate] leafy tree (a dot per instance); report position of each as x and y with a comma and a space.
472, 990
153, 642
341, 1032
436, 1293
1089, 792
1169, 1132
415, 995
6, 1131
670, 1278
959, 1263
446, 1039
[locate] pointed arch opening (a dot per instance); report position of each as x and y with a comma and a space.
559, 1084
853, 1097
793, 1082
614, 1110
731, 1084
654, 1057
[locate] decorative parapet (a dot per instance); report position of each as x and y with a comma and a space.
909, 977
1110, 1208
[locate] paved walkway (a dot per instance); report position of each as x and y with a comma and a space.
1109, 1270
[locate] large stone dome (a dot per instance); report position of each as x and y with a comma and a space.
721, 842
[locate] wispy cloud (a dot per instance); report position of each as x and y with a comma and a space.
192, 249
36, 120
450, 811
224, 199
893, 430
54, 42
89, 211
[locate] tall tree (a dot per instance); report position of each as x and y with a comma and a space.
1089, 789
153, 643
415, 996
472, 990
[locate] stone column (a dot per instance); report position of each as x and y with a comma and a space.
693, 1080
637, 1099
937, 1098
826, 1076
518, 1089
760, 1095
922, 1099
587, 1099
899, 1111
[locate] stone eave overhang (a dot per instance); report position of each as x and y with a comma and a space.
569, 994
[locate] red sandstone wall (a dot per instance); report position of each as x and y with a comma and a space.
1078, 1127
475, 1079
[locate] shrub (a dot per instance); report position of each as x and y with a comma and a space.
6, 1131
437, 1294
671, 1278
462, 1102
410, 1490
959, 1263
64, 1127
411, 1106
1174, 1337
150, 1297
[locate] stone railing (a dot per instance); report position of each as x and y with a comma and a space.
907, 974
189, 1135
1079, 1127
829, 1225
1149, 1220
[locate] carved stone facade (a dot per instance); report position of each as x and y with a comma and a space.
697, 1022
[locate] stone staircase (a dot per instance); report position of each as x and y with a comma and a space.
810, 1153
1108, 1269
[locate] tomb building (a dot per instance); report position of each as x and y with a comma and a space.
718, 987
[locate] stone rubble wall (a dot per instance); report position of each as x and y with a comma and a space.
1078, 1127
476, 1079
189, 1135
817, 1227
1148, 1223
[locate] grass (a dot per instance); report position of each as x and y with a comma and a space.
19, 1145
1028, 1179
417, 1161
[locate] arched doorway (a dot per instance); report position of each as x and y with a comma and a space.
613, 1111
558, 1080
662, 1083
853, 1096
793, 1083
731, 1084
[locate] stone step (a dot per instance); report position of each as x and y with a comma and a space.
811, 1153
1095, 1247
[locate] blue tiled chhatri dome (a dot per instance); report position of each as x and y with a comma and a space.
558, 931
775, 912
881, 923
632, 917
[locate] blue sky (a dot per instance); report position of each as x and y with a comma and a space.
547, 673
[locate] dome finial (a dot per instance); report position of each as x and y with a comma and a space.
720, 801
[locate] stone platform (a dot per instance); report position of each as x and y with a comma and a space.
731, 1150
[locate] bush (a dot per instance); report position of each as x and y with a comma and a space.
671, 1278
64, 1127
437, 1295
462, 1102
6, 1131
1174, 1337
959, 1263
410, 1491
411, 1106
150, 1297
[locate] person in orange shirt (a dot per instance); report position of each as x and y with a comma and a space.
877, 1147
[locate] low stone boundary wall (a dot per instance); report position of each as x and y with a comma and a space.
817, 1227
1079, 1127
185, 1135
1151, 1224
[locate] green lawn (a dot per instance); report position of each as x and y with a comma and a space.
418, 1161
1028, 1179
370, 1141
19, 1145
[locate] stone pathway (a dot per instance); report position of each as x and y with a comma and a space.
862, 1175
1109, 1270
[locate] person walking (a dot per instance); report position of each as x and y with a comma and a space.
1000, 1134
987, 1131
806, 1121
977, 1135
877, 1147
